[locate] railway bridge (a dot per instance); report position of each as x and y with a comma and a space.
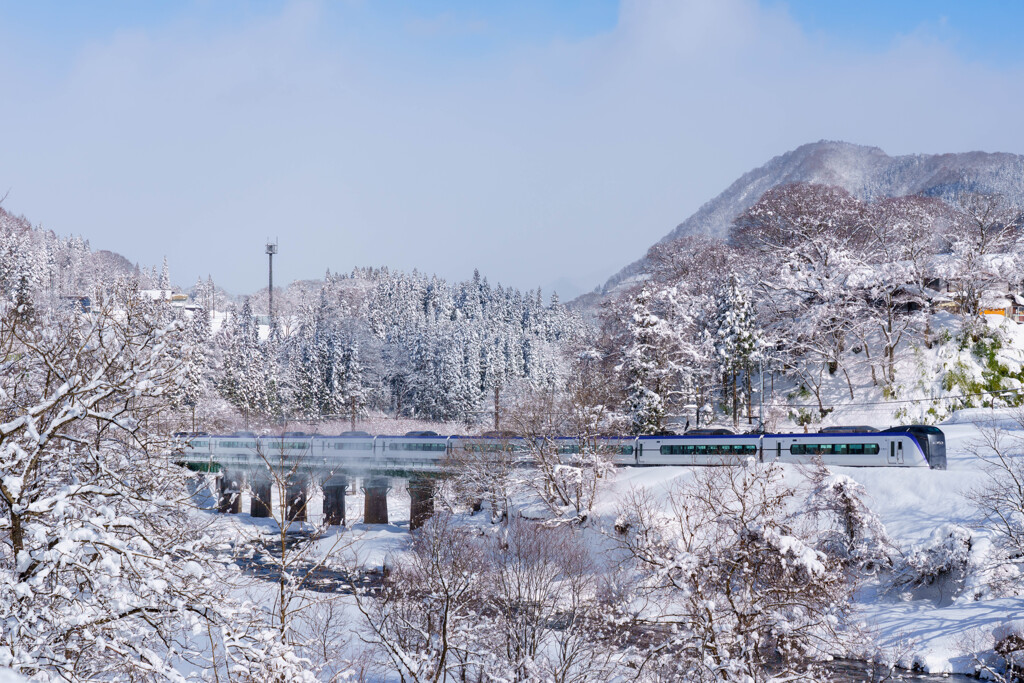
289, 466
283, 471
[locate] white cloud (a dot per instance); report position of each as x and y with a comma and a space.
534, 164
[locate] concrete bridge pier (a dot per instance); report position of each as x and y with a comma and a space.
421, 505
375, 502
334, 500
229, 489
259, 500
298, 499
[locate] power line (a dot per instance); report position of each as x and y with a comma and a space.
906, 400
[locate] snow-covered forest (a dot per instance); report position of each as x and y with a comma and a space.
401, 345
831, 301
839, 302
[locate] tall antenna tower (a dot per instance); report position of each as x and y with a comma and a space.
271, 250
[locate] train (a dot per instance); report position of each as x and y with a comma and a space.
903, 446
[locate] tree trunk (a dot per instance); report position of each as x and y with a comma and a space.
497, 392
750, 409
735, 403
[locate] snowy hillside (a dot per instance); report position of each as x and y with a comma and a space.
866, 172
937, 381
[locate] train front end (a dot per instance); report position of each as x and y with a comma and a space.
933, 442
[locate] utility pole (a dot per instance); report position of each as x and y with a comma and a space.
760, 397
271, 250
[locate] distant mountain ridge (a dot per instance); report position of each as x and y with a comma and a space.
866, 172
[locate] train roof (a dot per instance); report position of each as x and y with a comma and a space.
847, 429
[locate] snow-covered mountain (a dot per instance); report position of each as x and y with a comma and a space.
866, 172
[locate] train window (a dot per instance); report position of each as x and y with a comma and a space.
613, 450
403, 446
341, 446
703, 449
237, 444
833, 449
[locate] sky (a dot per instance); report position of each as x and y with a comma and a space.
544, 143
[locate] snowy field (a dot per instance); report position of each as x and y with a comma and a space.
937, 634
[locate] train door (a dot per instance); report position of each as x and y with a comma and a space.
899, 452
892, 451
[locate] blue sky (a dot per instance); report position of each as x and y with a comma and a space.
543, 142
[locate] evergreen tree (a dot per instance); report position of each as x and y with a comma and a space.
245, 372
647, 368
737, 340
165, 277
351, 390
194, 361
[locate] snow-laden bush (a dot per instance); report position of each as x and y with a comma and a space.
997, 653
939, 566
1008, 643
727, 586
846, 525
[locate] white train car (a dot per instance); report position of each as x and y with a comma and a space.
422, 452
353, 450
869, 449
622, 449
704, 449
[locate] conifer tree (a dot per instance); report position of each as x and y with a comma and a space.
647, 368
351, 390
165, 277
737, 339
244, 377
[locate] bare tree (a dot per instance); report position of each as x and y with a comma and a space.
541, 594
423, 620
491, 470
108, 570
727, 586
979, 246
300, 548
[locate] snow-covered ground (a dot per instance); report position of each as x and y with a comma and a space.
938, 635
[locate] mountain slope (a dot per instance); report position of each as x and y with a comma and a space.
866, 172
